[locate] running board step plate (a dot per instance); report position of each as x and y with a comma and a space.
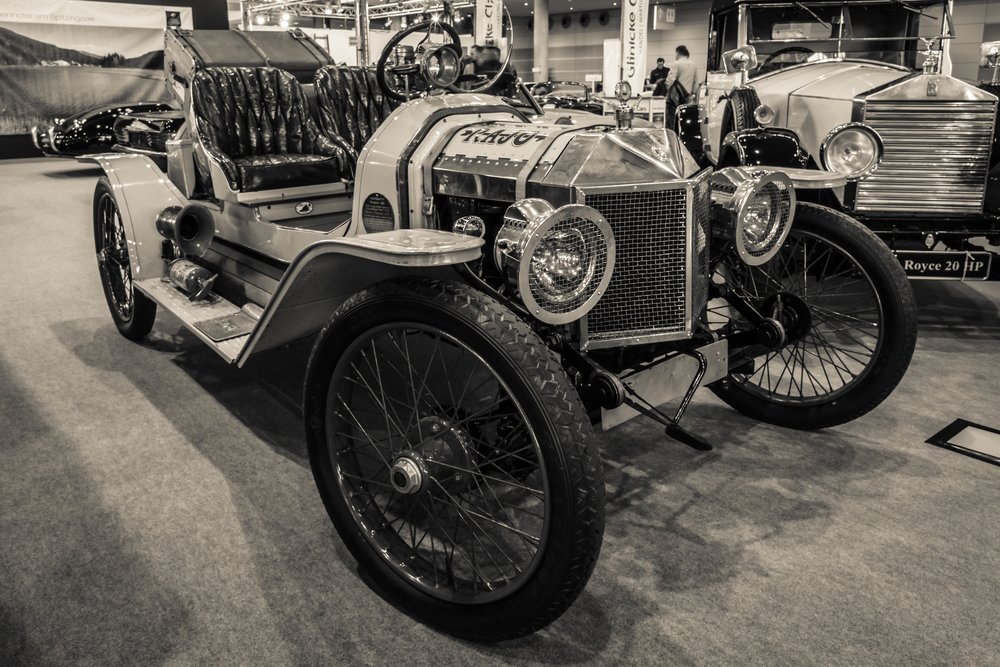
195, 313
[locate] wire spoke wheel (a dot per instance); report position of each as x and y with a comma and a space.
133, 312
438, 463
113, 255
848, 317
454, 457
845, 314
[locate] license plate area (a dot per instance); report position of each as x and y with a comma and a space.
945, 264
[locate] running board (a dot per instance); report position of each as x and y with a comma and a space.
195, 313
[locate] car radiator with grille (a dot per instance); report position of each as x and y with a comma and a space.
660, 284
936, 157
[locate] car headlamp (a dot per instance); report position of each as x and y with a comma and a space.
762, 205
853, 150
558, 260
441, 65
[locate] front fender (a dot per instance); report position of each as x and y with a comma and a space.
327, 273
689, 130
141, 191
764, 147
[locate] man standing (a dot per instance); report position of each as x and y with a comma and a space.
683, 72
659, 73
680, 84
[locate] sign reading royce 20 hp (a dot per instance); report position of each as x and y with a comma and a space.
945, 265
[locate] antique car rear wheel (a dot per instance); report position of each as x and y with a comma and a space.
851, 340
132, 311
454, 458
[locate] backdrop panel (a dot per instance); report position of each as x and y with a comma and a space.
60, 57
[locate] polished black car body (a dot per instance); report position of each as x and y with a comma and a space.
88, 132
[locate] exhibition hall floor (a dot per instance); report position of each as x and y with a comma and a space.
156, 505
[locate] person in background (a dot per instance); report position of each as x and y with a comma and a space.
683, 73
659, 72
679, 84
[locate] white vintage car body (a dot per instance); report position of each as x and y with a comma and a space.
938, 131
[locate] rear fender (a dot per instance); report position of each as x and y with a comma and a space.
327, 273
141, 191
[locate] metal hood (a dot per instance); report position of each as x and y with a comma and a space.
833, 80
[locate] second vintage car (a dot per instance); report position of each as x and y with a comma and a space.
863, 85
481, 291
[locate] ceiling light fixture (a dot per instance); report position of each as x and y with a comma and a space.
260, 19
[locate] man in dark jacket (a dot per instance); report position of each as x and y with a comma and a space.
658, 74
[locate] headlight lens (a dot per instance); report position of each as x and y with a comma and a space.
761, 204
559, 260
442, 65
854, 150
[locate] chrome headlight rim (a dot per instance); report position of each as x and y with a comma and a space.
744, 198
527, 224
441, 65
824, 149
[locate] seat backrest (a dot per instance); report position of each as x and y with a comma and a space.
243, 111
349, 103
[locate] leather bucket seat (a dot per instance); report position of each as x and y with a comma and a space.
350, 104
255, 123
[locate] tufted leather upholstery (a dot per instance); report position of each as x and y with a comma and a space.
254, 121
350, 103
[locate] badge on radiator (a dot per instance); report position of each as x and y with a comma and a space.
932, 88
304, 208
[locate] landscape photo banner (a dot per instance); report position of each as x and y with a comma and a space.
62, 57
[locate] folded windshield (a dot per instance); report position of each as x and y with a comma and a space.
889, 31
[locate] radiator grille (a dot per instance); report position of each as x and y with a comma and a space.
702, 233
647, 295
936, 157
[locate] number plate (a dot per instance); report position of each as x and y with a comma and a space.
945, 264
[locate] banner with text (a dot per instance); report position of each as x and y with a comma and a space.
61, 57
634, 16
489, 22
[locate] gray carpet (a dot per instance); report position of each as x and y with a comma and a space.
156, 506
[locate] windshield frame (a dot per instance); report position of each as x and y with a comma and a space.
945, 32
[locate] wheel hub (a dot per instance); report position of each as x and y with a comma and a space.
439, 452
792, 312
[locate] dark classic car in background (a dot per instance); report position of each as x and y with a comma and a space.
88, 132
841, 83
565, 95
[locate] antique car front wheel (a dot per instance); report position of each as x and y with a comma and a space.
849, 317
132, 311
454, 458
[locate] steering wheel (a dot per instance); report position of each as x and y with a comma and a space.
416, 67
412, 67
780, 52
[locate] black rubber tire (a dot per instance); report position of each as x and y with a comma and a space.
900, 326
139, 322
567, 443
738, 115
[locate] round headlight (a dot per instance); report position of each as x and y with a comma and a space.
559, 260
764, 209
854, 150
442, 65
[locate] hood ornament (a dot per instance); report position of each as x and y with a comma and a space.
624, 113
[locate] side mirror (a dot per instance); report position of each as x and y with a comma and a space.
989, 54
739, 60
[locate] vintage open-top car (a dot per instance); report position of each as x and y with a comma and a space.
486, 290
859, 83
